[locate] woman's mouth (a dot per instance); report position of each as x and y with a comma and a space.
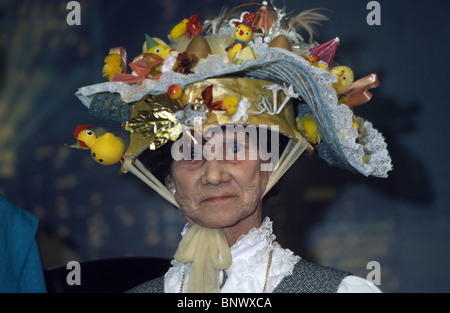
215, 199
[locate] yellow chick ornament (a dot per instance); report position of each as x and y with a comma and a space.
230, 104
345, 78
179, 30
156, 46
112, 66
309, 128
85, 137
106, 148
242, 35
315, 61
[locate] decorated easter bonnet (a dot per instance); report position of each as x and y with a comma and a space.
248, 66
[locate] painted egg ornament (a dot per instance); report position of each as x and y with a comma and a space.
175, 92
199, 46
281, 41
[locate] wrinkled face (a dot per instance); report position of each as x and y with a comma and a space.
218, 193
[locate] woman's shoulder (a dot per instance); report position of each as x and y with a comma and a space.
355, 284
311, 277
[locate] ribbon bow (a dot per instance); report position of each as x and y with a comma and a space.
208, 251
140, 66
359, 93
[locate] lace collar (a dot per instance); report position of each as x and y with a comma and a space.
248, 270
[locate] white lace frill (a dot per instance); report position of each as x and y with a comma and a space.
250, 261
250, 255
366, 152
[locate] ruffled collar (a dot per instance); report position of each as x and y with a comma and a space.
255, 236
250, 256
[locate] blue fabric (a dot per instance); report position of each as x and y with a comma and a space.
110, 107
20, 263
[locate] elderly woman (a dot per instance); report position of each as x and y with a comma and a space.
213, 133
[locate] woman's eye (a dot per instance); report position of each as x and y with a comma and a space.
236, 149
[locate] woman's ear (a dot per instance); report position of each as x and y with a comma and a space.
168, 181
170, 184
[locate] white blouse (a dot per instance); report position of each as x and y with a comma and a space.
247, 274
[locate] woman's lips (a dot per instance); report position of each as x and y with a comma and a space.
218, 198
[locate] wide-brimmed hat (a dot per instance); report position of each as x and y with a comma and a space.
275, 79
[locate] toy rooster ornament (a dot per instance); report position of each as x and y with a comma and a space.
106, 148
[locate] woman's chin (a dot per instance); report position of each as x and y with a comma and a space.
215, 221
218, 216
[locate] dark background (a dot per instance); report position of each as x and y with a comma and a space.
327, 215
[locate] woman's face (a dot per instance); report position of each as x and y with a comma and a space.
219, 192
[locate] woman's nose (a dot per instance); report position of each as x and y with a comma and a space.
214, 173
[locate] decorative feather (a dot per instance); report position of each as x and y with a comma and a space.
307, 19
212, 26
112, 66
219, 20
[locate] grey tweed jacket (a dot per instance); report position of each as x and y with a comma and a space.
306, 277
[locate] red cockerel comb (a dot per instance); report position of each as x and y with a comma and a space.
79, 129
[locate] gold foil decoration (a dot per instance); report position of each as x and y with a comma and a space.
253, 90
159, 123
153, 123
